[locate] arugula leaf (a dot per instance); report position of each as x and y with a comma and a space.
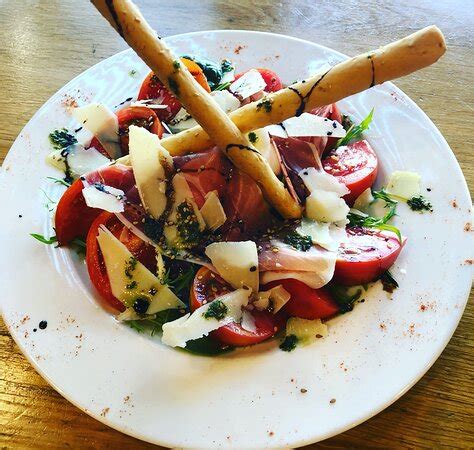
342, 298
206, 346
357, 220
44, 240
355, 131
59, 181
223, 86
136, 325
182, 283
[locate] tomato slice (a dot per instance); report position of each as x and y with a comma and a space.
144, 252
73, 217
206, 287
153, 88
306, 302
365, 256
271, 79
355, 166
140, 116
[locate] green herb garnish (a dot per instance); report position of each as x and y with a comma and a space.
253, 137
266, 104
388, 282
289, 343
132, 72
130, 266
59, 181
302, 243
226, 66
217, 310
355, 131
342, 298
187, 224
358, 220
182, 283
48, 241
419, 204
61, 139
154, 324
223, 86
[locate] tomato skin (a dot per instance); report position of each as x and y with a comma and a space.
140, 116
132, 115
153, 88
366, 256
73, 217
233, 334
306, 302
356, 166
144, 252
271, 79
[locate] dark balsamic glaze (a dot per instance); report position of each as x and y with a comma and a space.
372, 84
42, 325
304, 98
241, 147
110, 5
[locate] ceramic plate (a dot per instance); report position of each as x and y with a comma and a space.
251, 397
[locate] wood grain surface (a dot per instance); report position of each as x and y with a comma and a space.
43, 44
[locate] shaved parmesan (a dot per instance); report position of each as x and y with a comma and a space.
248, 84
265, 146
314, 280
212, 211
364, 200
326, 206
150, 162
276, 130
307, 125
248, 321
103, 124
79, 159
236, 262
196, 325
404, 185
130, 279
276, 298
226, 101
104, 197
327, 235
307, 331
319, 179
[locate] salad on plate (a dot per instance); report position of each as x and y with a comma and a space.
219, 208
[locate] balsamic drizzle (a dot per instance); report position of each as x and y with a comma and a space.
241, 147
110, 5
372, 84
304, 99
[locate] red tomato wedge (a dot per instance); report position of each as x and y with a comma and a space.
141, 116
271, 79
73, 217
366, 255
152, 88
145, 253
306, 302
355, 166
206, 287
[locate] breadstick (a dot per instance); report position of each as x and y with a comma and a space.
125, 17
349, 77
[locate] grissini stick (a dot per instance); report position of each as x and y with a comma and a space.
400, 58
126, 18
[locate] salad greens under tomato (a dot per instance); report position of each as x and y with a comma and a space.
187, 246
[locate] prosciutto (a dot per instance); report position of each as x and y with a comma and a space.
204, 172
277, 260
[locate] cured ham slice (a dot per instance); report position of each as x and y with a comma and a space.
204, 172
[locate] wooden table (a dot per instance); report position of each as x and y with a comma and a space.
45, 44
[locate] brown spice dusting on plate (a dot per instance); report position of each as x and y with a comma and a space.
454, 203
238, 49
468, 226
303, 390
104, 412
24, 320
383, 326
332, 401
468, 262
271, 433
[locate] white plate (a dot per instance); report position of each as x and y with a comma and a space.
251, 397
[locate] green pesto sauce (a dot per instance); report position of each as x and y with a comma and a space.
419, 204
289, 343
302, 243
253, 137
130, 266
266, 104
217, 310
187, 224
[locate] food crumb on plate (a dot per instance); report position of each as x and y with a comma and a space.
332, 401
104, 412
